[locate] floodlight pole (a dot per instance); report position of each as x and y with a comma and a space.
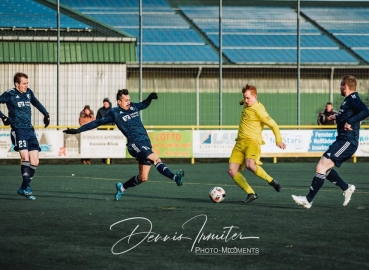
58, 63
198, 96
220, 64
140, 56
298, 63
331, 86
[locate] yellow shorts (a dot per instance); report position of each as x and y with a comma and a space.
245, 149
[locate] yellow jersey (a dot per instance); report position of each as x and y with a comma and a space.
253, 119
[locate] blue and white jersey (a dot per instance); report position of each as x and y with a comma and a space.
19, 107
128, 121
352, 111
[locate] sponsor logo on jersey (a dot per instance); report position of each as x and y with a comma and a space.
129, 117
126, 118
21, 104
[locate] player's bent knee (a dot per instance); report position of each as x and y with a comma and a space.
35, 162
251, 168
232, 173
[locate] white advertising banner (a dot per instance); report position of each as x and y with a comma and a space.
213, 143
304, 143
363, 150
206, 144
56, 144
50, 143
96, 144
6, 147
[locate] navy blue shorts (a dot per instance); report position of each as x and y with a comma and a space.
140, 150
340, 151
24, 139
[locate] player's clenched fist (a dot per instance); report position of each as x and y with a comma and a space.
153, 95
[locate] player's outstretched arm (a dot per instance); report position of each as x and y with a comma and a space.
71, 131
146, 103
92, 125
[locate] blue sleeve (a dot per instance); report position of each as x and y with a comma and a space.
363, 112
37, 104
4, 97
142, 105
108, 118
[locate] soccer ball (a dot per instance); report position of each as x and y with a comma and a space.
217, 194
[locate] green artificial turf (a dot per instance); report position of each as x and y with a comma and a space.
74, 222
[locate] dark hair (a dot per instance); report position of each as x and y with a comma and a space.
122, 92
18, 76
329, 103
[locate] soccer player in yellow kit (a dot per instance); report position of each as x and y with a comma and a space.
247, 149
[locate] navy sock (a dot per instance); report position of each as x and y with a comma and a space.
164, 170
336, 179
25, 174
134, 181
32, 170
317, 183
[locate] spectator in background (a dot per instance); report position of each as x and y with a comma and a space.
100, 114
323, 117
86, 116
104, 110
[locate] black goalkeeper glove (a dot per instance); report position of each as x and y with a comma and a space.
152, 96
71, 131
6, 120
46, 120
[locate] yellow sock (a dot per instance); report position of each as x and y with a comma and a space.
242, 183
262, 174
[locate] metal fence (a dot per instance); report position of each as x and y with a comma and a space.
196, 54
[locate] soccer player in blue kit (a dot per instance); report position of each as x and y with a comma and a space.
350, 115
18, 101
126, 117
